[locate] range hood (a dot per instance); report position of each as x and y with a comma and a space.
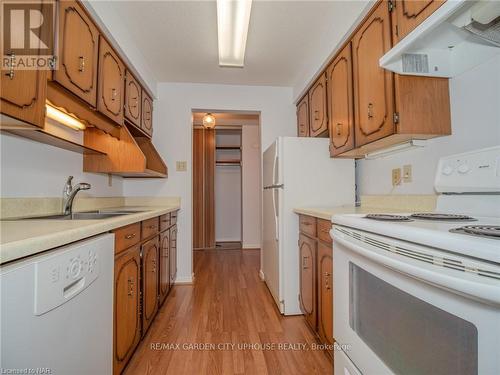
458, 36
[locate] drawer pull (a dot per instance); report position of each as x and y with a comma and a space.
11, 73
152, 226
130, 236
306, 223
81, 68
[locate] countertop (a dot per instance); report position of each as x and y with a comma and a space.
22, 238
326, 213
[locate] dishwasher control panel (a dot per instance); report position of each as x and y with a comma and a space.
60, 278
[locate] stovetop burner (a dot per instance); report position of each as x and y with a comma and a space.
442, 217
486, 231
386, 217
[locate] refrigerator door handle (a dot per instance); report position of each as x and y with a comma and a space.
276, 216
280, 186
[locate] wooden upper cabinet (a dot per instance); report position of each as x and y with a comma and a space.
78, 42
164, 265
307, 296
23, 95
340, 102
147, 114
318, 120
408, 14
111, 83
173, 254
303, 117
149, 282
127, 325
373, 86
133, 99
325, 292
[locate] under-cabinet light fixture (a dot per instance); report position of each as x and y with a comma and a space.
63, 118
208, 121
233, 17
411, 144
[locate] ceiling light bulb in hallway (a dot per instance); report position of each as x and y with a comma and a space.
233, 18
209, 121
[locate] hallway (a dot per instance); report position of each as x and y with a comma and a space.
227, 305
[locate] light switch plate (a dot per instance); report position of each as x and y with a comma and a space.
181, 166
396, 176
407, 177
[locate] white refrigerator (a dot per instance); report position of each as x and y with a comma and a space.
297, 172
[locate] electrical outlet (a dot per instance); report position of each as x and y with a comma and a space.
181, 166
396, 176
406, 173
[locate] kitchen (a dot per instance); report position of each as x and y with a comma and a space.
406, 105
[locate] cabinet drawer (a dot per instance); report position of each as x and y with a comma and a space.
324, 227
150, 227
308, 225
164, 222
126, 237
173, 218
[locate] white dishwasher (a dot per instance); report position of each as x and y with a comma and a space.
57, 310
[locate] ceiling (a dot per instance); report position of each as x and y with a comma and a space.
286, 39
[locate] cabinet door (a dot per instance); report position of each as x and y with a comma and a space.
318, 121
325, 292
340, 102
173, 254
373, 86
111, 83
307, 296
132, 99
127, 327
149, 283
164, 264
147, 114
78, 40
303, 117
408, 14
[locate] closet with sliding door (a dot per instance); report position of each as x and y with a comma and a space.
217, 188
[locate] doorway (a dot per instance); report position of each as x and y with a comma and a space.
226, 181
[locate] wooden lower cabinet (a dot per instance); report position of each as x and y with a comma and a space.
164, 261
149, 283
127, 324
316, 280
307, 297
173, 253
143, 269
325, 293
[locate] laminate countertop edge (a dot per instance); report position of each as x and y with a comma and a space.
23, 238
326, 213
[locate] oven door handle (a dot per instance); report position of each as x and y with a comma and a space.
474, 289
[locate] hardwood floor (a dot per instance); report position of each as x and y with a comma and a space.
227, 305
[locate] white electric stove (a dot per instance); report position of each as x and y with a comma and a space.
420, 293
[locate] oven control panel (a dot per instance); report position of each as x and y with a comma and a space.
471, 172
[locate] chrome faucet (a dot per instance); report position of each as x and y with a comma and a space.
69, 194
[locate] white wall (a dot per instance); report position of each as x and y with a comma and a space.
31, 169
252, 187
173, 139
475, 117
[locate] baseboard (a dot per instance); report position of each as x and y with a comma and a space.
261, 275
184, 280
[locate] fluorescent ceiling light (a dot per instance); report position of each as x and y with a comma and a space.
63, 118
233, 17
414, 143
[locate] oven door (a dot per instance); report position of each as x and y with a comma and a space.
398, 311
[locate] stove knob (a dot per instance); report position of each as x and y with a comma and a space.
463, 169
447, 170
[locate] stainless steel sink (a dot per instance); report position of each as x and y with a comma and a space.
95, 215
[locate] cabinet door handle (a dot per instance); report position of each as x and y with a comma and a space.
151, 226
327, 281
370, 110
306, 223
304, 262
131, 283
316, 115
81, 69
339, 128
12, 61
113, 94
129, 236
